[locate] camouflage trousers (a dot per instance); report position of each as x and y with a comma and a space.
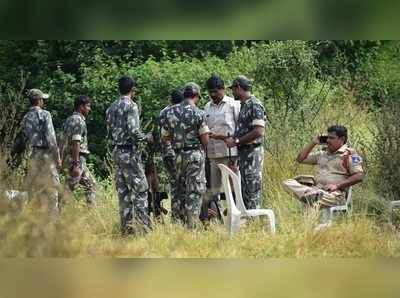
43, 181
85, 179
250, 166
191, 184
132, 187
170, 166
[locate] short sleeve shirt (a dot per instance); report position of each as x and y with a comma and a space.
184, 123
75, 130
123, 122
335, 167
222, 119
38, 128
166, 147
252, 113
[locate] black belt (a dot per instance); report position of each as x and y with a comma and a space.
187, 148
40, 147
249, 146
124, 146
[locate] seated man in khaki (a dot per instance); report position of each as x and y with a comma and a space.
338, 167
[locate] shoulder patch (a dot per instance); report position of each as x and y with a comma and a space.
356, 159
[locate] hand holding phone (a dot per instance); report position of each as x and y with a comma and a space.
323, 139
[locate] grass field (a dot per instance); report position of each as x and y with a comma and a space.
25, 231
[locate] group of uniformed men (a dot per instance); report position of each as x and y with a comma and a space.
228, 131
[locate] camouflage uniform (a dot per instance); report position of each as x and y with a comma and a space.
332, 168
185, 123
123, 127
39, 133
251, 155
75, 130
168, 156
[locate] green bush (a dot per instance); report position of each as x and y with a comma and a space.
387, 150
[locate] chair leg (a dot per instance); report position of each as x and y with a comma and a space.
233, 224
271, 217
326, 215
391, 214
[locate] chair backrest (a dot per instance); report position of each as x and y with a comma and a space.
236, 180
226, 174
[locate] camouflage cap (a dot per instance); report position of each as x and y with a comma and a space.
241, 81
192, 88
36, 93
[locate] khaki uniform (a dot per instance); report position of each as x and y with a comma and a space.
332, 168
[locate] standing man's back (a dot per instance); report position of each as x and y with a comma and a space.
123, 128
37, 126
168, 156
186, 128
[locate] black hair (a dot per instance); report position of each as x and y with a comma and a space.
81, 100
177, 96
33, 100
339, 130
126, 84
245, 87
190, 92
215, 82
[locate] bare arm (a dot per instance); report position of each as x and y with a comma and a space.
352, 180
75, 171
61, 151
255, 133
217, 136
204, 138
307, 149
52, 141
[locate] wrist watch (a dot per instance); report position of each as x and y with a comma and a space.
237, 141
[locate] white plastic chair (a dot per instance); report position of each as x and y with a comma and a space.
238, 210
13, 195
393, 205
328, 213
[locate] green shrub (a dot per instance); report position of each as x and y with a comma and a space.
387, 152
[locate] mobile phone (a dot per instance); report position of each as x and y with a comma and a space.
323, 139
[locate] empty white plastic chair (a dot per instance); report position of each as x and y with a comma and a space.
238, 210
13, 195
393, 205
233, 216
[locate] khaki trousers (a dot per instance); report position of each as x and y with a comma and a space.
328, 199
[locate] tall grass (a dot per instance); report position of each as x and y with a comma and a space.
26, 231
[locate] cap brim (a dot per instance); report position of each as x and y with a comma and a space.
45, 96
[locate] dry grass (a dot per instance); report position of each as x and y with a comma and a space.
80, 231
